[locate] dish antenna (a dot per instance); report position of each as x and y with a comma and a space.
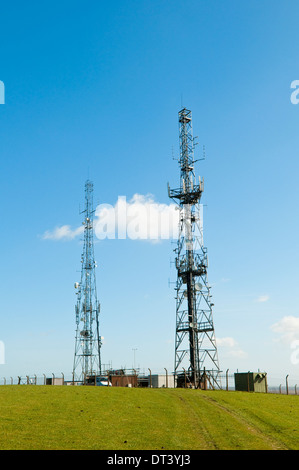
198, 287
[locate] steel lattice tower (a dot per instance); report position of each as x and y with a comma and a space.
87, 359
196, 358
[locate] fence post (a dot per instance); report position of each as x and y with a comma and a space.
166, 377
227, 379
296, 389
287, 385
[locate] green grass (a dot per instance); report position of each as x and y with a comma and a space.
45, 417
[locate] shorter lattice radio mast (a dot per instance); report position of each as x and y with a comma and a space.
87, 359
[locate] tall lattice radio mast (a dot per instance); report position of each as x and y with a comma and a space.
87, 359
196, 358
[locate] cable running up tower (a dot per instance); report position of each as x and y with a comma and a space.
87, 359
196, 358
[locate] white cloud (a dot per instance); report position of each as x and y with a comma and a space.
227, 342
140, 218
63, 233
230, 347
287, 329
263, 298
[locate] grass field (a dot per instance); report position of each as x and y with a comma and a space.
45, 417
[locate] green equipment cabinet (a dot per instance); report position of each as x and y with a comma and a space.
251, 382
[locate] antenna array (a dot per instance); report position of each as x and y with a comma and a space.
196, 358
87, 359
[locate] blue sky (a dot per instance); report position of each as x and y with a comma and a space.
94, 91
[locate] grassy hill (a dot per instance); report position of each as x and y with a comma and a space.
56, 417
